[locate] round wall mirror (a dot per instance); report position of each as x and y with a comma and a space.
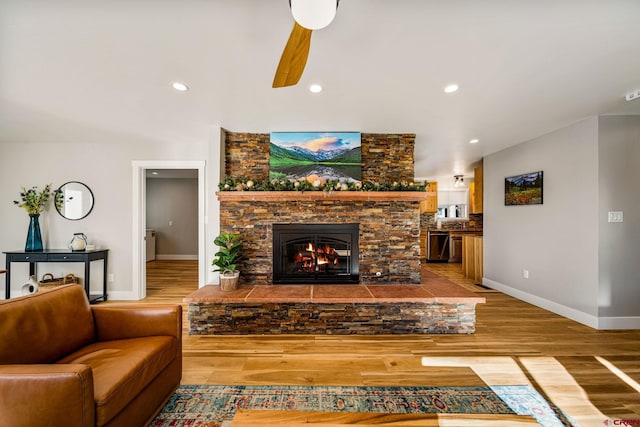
74, 200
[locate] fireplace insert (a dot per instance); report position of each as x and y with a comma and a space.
315, 253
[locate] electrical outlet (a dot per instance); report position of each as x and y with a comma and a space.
110, 278
525, 273
170, 223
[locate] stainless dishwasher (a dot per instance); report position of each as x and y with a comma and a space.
437, 246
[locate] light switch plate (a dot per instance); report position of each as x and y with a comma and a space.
632, 95
616, 216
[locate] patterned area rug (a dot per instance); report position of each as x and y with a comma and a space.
199, 405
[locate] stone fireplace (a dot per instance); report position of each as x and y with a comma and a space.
389, 222
315, 253
388, 238
389, 228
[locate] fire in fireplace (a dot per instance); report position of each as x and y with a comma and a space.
315, 253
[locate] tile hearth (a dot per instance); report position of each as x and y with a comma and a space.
436, 306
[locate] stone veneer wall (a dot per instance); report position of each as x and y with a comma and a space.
247, 155
428, 221
389, 234
389, 231
385, 157
223, 318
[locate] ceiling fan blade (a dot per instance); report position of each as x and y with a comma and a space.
294, 57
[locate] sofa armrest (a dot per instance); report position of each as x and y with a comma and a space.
124, 321
46, 395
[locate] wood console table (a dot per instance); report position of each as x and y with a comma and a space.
60, 255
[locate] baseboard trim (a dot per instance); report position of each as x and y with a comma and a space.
562, 310
122, 296
629, 322
176, 257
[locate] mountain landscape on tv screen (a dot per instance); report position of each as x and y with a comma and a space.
299, 154
323, 156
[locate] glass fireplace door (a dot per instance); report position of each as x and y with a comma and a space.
319, 254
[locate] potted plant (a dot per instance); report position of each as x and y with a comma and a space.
35, 201
227, 258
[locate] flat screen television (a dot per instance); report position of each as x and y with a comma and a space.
324, 156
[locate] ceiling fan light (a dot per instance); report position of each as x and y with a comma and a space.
313, 14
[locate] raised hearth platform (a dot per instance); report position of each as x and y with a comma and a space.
438, 306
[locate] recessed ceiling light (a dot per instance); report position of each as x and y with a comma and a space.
179, 86
451, 88
154, 173
315, 88
474, 141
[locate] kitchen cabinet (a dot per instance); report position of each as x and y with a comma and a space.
455, 248
476, 189
472, 257
447, 246
453, 197
430, 205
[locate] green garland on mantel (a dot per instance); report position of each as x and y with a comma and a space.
241, 184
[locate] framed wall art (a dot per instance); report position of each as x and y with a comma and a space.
334, 156
525, 189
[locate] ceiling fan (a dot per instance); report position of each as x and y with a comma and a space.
309, 15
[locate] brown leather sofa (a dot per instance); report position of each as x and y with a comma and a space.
64, 362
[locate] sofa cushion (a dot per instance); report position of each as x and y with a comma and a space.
122, 369
43, 327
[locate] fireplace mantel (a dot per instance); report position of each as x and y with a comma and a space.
286, 196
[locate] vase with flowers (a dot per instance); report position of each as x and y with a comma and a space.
34, 201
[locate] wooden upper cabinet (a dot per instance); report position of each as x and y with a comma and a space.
430, 205
476, 190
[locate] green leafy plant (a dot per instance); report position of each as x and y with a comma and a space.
230, 253
303, 184
35, 201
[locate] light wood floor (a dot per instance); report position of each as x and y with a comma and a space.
592, 375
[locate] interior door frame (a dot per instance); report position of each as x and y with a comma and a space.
139, 216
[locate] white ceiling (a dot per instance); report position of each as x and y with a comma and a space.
97, 70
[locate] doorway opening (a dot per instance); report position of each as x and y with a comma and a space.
171, 232
168, 232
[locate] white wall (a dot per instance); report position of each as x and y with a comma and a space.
557, 242
172, 211
581, 266
106, 169
619, 281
